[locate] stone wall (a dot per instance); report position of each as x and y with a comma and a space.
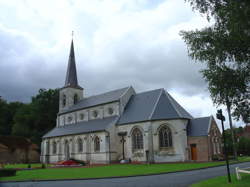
202, 146
87, 154
178, 152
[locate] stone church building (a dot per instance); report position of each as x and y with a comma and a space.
125, 125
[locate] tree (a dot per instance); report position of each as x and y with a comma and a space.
35, 119
227, 41
225, 48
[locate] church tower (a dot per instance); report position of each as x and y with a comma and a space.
71, 93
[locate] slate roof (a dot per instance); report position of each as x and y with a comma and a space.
83, 127
152, 105
71, 75
107, 97
199, 126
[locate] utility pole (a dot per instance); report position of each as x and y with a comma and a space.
220, 116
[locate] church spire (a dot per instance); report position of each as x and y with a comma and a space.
71, 76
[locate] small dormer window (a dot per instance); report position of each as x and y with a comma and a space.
64, 100
75, 98
82, 116
95, 113
110, 111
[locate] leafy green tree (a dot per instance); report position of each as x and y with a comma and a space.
44, 108
225, 49
23, 122
33, 120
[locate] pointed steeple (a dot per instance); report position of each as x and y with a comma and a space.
71, 76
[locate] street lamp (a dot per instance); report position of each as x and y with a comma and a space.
220, 116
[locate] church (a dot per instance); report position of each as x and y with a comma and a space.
122, 124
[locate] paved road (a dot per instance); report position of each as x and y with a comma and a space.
171, 179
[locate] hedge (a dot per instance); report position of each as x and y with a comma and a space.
7, 172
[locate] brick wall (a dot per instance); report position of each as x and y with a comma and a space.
202, 147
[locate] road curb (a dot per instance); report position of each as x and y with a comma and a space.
114, 177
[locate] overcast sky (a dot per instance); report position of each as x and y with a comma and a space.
117, 43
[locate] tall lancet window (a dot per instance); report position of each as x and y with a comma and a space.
165, 137
54, 148
75, 98
64, 100
80, 145
97, 144
137, 139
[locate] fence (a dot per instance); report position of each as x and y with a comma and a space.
243, 170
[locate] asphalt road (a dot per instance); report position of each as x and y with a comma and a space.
172, 179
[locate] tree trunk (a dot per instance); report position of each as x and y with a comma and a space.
231, 128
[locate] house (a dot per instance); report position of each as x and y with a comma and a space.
14, 149
123, 124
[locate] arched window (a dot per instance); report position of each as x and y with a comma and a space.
54, 148
64, 100
97, 144
165, 137
137, 139
75, 98
80, 145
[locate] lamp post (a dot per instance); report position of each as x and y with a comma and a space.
220, 116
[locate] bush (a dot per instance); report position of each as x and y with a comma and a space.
7, 172
29, 166
43, 166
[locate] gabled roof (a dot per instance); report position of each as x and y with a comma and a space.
152, 105
71, 75
82, 127
107, 97
199, 126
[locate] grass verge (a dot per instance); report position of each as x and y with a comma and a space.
108, 171
223, 182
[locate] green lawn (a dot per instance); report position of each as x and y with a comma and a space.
223, 182
107, 171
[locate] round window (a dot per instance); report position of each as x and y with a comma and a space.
81, 116
95, 113
70, 119
110, 111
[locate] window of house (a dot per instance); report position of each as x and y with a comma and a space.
95, 113
81, 116
75, 98
165, 137
64, 100
54, 148
110, 111
80, 145
137, 139
97, 144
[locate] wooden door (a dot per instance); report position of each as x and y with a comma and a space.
193, 152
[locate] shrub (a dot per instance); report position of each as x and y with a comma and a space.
29, 166
43, 166
7, 172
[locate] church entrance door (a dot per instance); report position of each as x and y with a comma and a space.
193, 152
66, 152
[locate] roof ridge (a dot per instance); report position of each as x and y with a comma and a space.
171, 102
203, 117
157, 101
126, 91
105, 93
209, 125
150, 91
